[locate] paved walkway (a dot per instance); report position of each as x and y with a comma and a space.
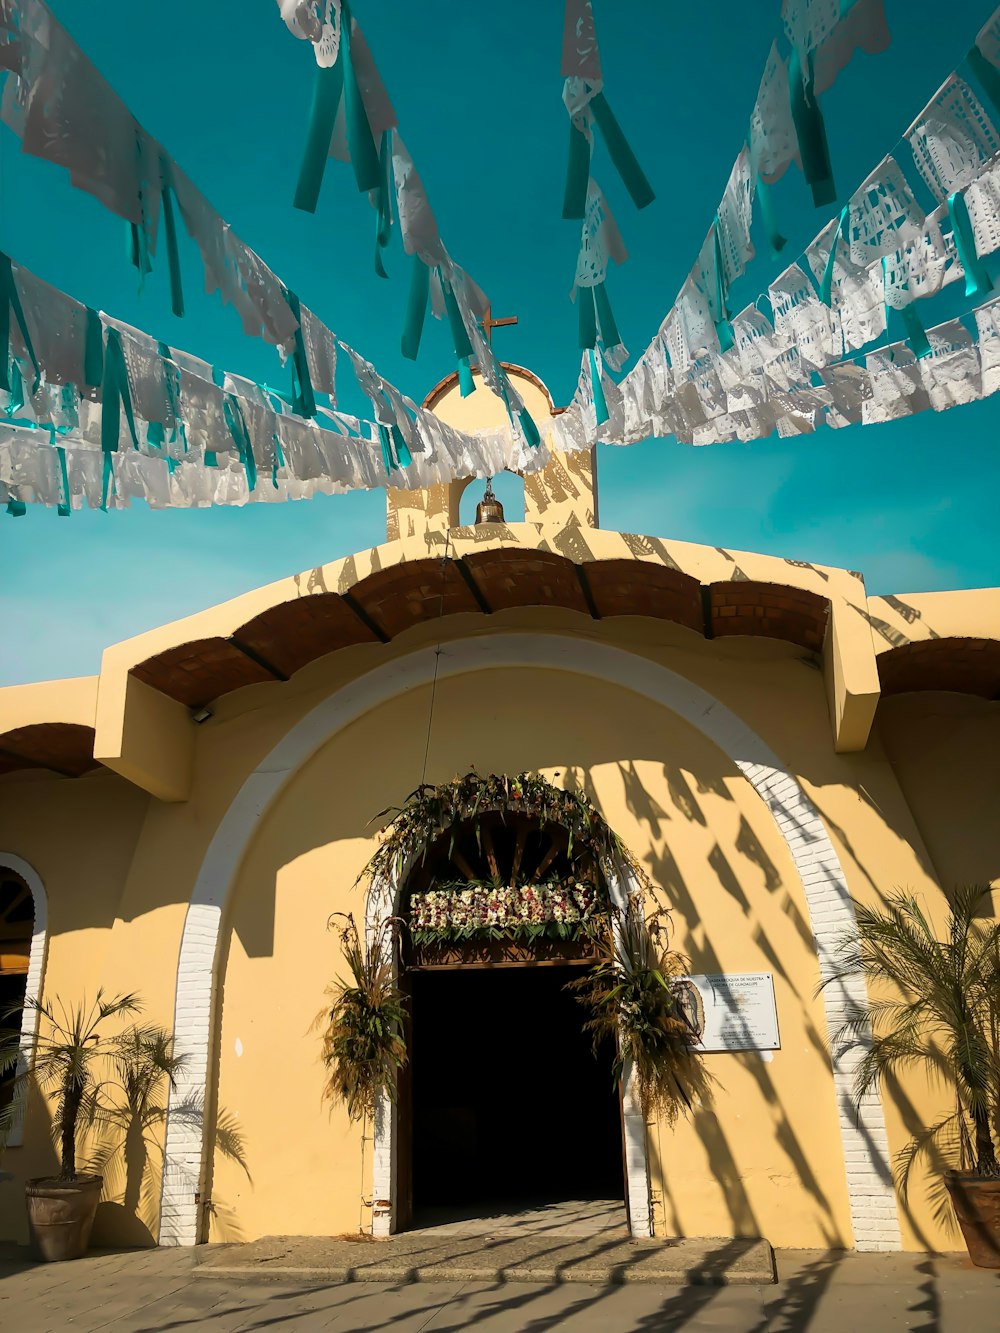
155, 1292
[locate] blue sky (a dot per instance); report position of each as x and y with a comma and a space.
477, 91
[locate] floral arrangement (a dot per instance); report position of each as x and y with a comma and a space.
556, 910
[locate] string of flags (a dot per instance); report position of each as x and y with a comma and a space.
352, 119
96, 412
797, 366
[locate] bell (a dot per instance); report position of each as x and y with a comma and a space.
489, 509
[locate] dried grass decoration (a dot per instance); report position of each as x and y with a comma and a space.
363, 1045
638, 997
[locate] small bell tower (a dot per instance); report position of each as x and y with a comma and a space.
560, 495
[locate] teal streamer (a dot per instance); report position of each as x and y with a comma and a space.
173, 254
16, 508
842, 233
93, 349
626, 162
987, 75
138, 251
465, 381
10, 300
107, 481
64, 496
383, 215
360, 144
416, 309
383, 439
600, 402
115, 395
236, 422
16, 391
303, 398
211, 460
459, 334
155, 434
577, 174
328, 89
172, 382
977, 280
279, 461
531, 435
403, 455
610, 336
769, 218
810, 131
401, 449
916, 334
723, 328
586, 311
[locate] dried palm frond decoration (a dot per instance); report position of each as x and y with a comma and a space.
428, 812
638, 997
362, 1021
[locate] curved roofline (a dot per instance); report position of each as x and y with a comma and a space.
442, 386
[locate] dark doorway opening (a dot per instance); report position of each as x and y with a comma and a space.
510, 1107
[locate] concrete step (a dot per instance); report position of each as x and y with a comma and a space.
422, 1257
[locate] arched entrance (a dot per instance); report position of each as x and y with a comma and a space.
505, 1104
465, 839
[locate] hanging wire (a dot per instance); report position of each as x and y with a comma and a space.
437, 655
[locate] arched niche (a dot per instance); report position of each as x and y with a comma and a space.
508, 487
23, 940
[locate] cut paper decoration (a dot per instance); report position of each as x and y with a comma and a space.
587, 106
771, 137
952, 139
830, 31
316, 21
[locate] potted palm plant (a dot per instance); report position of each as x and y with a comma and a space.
69, 1058
937, 1004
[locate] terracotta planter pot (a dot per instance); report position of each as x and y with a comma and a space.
61, 1215
976, 1200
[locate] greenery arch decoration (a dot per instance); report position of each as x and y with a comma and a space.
636, 991
430, 811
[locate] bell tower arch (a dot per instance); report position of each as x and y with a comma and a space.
562, 494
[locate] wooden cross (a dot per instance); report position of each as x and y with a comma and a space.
489, 324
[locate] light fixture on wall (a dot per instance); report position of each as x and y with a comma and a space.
489, 509
200, 715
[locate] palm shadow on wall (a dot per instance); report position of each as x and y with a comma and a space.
127, 1148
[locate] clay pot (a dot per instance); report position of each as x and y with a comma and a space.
61, 1215
976, 1200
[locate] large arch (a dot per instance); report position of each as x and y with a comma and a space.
36, 967
872, 1202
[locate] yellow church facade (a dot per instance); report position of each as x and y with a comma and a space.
766, 739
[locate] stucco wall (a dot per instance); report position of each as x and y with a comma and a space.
766, 1157
944, 749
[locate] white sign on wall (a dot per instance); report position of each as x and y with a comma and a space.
740, 1013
